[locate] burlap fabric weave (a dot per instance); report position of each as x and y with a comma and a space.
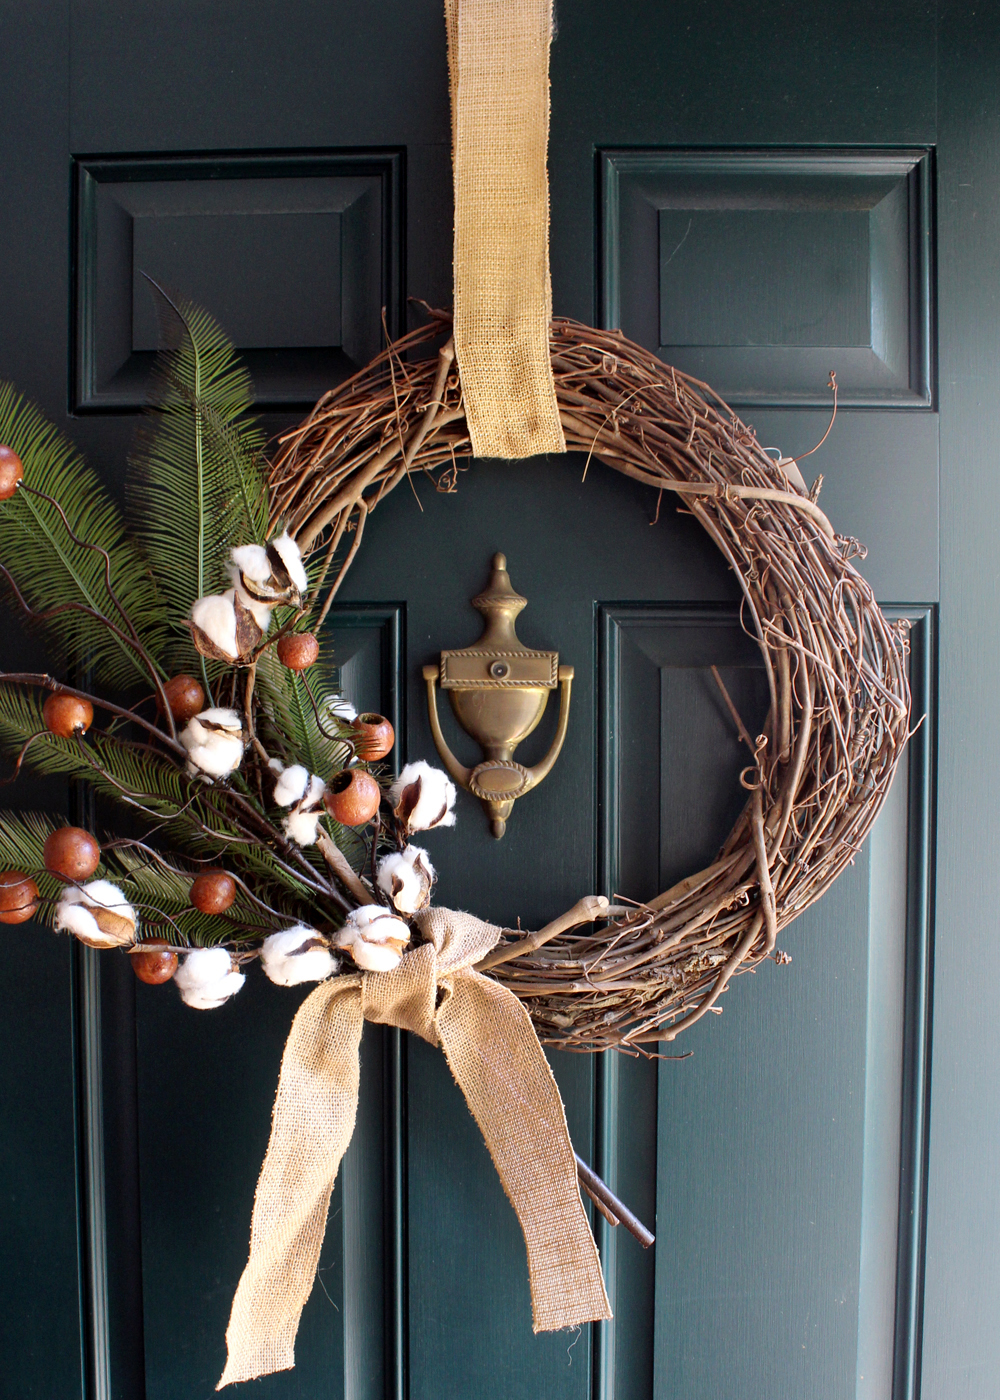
498, 59
495, 1056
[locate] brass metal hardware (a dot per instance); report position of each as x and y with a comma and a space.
498, 691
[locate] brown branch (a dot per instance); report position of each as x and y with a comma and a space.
610, 1205
592, 906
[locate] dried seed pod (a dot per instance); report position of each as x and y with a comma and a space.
213, 892
376, 737
353, 797
18, 897
11, 472
71, 853
185, 696
297, 650
154, 963
67, 715
97, 913
223, 627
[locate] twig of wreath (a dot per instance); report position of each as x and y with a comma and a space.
836, 668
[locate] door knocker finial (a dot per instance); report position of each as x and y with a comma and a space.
498, 691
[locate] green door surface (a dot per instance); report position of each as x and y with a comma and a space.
761, 193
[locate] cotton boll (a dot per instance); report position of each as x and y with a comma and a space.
260, 612
108, 896
302, 827
252, 560
227, 626
375, 957
291, 557
214, 742
341, 708
302, 823
80, 922
400, 882
406, 877
374, 937
313, 796
291, 785
98, 914
206, 978
215, 617
270, 573
423, 797
297, 955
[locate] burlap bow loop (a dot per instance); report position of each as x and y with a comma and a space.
495, 1056
408, 996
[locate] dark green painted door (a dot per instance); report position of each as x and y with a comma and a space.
761, 193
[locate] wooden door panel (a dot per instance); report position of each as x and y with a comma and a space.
772, 267
299, 255
789, 1145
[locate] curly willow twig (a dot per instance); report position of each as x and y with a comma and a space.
836, 668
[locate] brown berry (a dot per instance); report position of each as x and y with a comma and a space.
376, 737
154, 963
67, 715
298, 650
71, 853
18, 897
352, 797
185, 696
213, 892
11, 472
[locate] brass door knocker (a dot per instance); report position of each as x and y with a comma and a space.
498, 691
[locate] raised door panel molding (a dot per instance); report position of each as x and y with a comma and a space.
790, 1154
174, 1111
295, 255
761, 271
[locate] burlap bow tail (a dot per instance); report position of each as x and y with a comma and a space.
495, 1056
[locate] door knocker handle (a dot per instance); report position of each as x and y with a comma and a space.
498, 691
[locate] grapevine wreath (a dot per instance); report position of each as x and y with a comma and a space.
242, 809
836, 668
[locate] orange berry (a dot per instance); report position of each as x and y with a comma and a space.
297, 650
213, 892
18, 897
376, 737
353, 797
154, 963
11, 472
67, 715
71, 853
185, 696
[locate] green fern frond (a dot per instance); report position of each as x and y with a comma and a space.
196, 485
286, 695
22, 838
162, 899
130, 775
51, 570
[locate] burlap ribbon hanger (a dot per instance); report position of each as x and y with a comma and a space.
498, 61
495, 1056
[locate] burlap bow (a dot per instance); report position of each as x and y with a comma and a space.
494, 1054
